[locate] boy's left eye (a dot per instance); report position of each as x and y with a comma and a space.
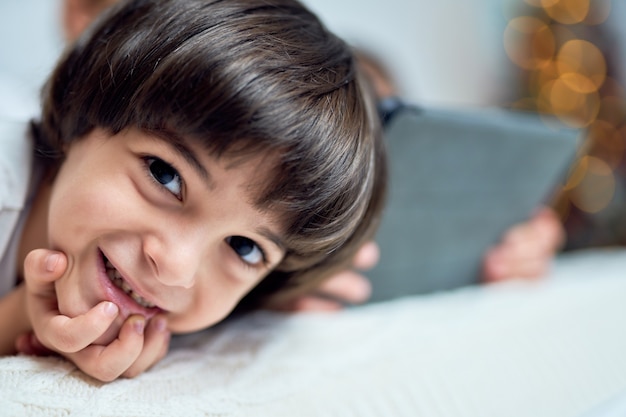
166, 175
247, 250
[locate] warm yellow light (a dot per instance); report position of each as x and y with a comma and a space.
579, 83
568, 12
581, 65
572, 107
545, 3
563, 99
529, 42
583, 116
596, 189
568, 78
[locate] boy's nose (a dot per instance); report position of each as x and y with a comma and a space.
175, 258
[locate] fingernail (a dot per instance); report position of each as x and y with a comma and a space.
110, 309
139, 326
51, 261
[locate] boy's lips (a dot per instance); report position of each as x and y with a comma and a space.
119, 290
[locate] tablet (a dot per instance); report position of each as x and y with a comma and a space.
458, 180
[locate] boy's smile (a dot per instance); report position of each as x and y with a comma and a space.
120, 282
155, 226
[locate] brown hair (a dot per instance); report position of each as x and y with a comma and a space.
240, 76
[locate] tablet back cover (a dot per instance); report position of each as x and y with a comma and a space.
458, 181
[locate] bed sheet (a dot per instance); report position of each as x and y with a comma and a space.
550, 348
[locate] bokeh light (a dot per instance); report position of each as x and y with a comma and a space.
596, 188
529, 42
568, 12
565, 71
583, 64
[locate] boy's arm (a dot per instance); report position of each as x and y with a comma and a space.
13, 319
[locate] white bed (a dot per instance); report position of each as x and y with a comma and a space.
555, 348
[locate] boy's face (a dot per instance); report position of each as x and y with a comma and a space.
174, 227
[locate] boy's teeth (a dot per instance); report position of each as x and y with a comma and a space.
126, 287
118, 281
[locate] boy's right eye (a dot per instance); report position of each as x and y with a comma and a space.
249, 252
165, 175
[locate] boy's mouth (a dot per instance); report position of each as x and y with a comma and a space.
117, 280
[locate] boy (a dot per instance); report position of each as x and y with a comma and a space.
525, 251
196, 156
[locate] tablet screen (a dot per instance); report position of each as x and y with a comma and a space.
458, 180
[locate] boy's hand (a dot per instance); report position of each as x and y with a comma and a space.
138, 346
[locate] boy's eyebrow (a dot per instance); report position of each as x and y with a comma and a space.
179, 145
271, 236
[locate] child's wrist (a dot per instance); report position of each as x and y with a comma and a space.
22, 318
14, 319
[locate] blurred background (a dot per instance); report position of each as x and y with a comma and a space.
561, 57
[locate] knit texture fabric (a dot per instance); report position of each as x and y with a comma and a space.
549, 348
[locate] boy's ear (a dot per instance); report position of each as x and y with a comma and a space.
77, 15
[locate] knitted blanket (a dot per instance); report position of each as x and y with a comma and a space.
550, 348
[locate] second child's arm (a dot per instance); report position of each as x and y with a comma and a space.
13, 319
525, 251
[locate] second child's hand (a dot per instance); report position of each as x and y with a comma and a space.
138, 346
347, 287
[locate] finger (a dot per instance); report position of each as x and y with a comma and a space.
41, 268
538, 240
551, 227
526, 269
107, 363
494, 267
346, 287
67, 335
312, 303
532, 269
508, 263
543, 230
155, 346
367, 256
526, 249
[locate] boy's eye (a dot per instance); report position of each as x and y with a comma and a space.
166, 175
247, 250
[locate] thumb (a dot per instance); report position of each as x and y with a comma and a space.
42, 267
